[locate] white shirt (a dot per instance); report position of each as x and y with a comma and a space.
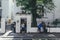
22, 25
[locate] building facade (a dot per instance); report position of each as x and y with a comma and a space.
6, 7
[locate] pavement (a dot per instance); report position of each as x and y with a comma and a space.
31, 35
35, 35
28, 36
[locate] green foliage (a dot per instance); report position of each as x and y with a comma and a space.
39, 3
36, 7
49, 4
56, 21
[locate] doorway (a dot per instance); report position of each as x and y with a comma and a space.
19, 21
23, 25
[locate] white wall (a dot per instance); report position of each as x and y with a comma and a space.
18, 18
56, 11
15, 9
11, 5
51, 30
2, 29
5, 8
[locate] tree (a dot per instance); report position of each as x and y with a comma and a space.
36, 7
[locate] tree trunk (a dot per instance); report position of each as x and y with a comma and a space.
33, 5
34, 22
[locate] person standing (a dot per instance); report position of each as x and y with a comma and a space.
44, 27
13, 25
23, 27
40, 27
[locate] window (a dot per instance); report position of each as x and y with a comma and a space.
0, 3
0, 12
0, 16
